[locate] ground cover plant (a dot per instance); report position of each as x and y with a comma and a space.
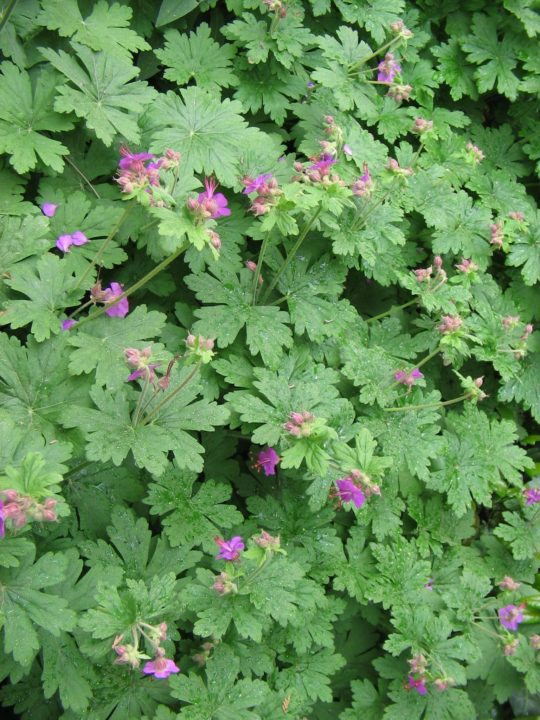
268, 369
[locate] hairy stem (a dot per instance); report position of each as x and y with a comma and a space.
172, 394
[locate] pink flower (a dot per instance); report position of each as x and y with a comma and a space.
388, 69
418, 685
68, 324
64, 242
347, 149
130, 159
2, 520
49, 209
117, 309
364, 185
532, 495
258, 184
348, 491
161, 668
510, 616
267, 461
229, 549
214, 203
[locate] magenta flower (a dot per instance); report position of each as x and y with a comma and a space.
510, 616
2, 520
349, 492
48, 209
117, 309
147, 371
267, 461
406, 378
532, 495
68, 324
64, 242
388, 69
257, 184
214, 203
130, 159
229, 549
161, 668
323, 164
418, 685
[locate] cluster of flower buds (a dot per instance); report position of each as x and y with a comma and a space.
201, 657
426, 274
252, 266
472, 388
449, 324
388, 69
511, 322
408, 378
508, 583
300, 424
399, 93
320, 170
335, 138
109, 296
474, 154
363, 187
224, 585
200, 348
419, 675
422, 126
139, 174
140, 360
399, 28
497, 237
130, 654
20, 509
517, 216
268, 192
276, 6
268, 542
467, 266
395, 168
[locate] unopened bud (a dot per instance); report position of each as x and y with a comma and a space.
190, 340
508, 583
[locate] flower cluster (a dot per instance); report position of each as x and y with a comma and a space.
419, 675
268, 192
209, 204
426, 274
421, 126
388, 69
497, 237
363, 187
510, 616
320, 170
408, 378
140, 361
474, 154
466, 266
139, 174
355, 488
394, 167
300, 424
130, 654
20, 509
449, 324
200, 348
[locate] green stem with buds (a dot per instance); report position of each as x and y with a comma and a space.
292, 253
139, 284
172, 394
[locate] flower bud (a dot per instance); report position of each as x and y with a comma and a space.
507, 583
190, 340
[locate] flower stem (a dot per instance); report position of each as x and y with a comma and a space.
140, 283
80, 172
172, 394
104, 246
394, 308
429, 405
366, 59
292, 253
138, 409
258, 268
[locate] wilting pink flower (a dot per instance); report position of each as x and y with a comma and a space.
388, 69
49, 209
267, 461
348, 491
532, 495
64, 242
258, 184
68, 324
418, 685
507, 583
160, 667
510, 616
497, 236
214, 203
406, 378
117, 309
229, 549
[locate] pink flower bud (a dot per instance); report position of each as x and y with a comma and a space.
507, 583
328, 119
516, 215
511, 647
438, 262
251, 265
190, 340
49, 515
208, 344
11, 495
297, 417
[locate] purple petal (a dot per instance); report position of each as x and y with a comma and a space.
68, 324
49, 209
64, 242
79, 238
